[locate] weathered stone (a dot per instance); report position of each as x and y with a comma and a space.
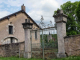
8, 50
72, 45
27, 49
27, 53
61, 20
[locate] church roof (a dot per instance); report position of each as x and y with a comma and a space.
7, 17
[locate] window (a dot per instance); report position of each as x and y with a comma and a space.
13, 40
10, 40
35, 34
10, 29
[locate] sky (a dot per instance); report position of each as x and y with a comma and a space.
34, 8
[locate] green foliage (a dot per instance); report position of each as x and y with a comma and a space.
72, 26
50, 43
55, 12
70, 10
78, 11
55, 36
45, 39
78, 15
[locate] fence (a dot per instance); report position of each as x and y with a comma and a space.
50, 50
47, 46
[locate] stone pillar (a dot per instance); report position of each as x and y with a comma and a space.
27, 49
61, 20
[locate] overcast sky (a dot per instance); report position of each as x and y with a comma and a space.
35, 8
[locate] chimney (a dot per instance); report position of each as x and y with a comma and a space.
23, 7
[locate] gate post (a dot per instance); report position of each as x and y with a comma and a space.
61, 20
27, 46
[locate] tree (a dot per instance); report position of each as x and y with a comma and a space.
78, 11
69, 9
78, 15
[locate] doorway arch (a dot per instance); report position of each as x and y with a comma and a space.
10, 40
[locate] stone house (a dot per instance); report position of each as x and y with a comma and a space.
11, 29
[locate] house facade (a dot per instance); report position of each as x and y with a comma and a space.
11, 29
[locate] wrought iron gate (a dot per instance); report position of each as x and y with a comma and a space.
44, 45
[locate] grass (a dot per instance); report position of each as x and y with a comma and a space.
15, 58
68, 58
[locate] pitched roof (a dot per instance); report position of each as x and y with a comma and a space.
7, 17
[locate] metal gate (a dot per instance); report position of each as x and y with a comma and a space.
44, 41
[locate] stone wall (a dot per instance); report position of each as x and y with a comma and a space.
14, 49
17, 49
72, 45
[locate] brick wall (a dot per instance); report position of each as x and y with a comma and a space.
72, 45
